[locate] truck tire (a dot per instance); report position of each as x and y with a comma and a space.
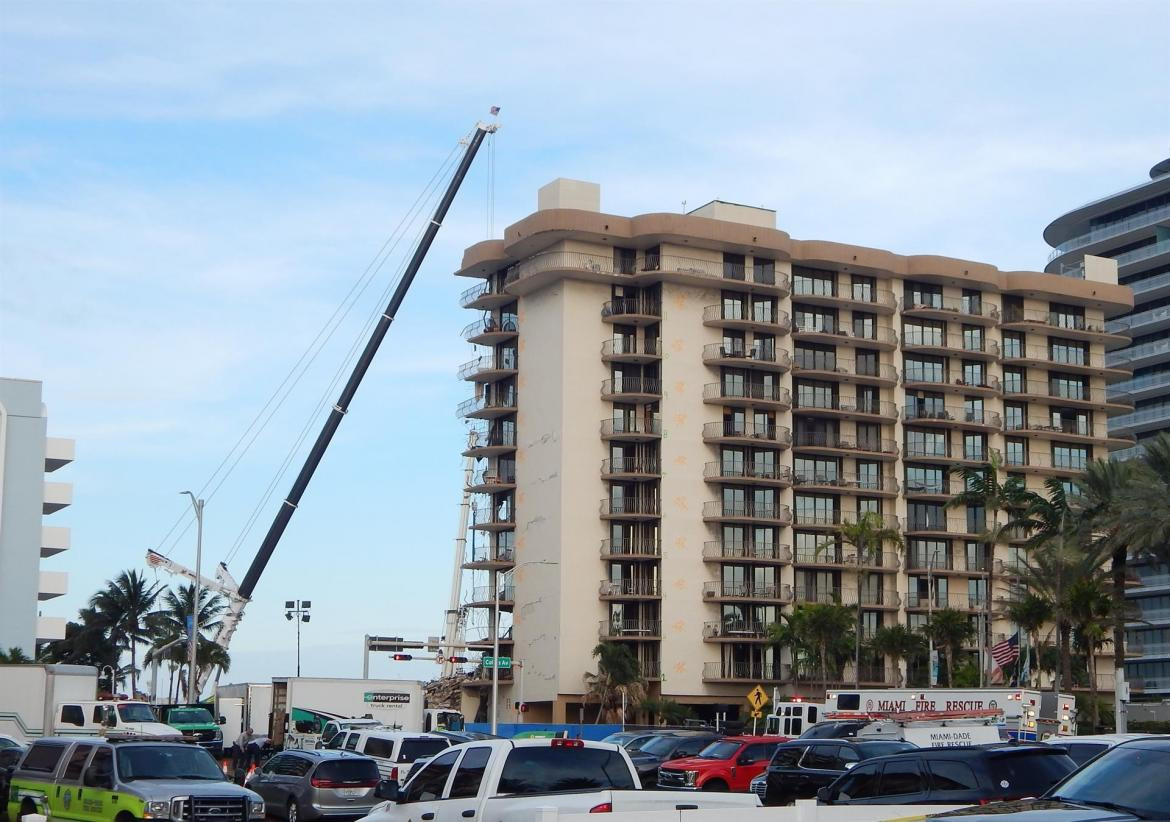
715, 785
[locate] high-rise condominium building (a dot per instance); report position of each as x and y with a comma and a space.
675, 413
1132, 227
26, 456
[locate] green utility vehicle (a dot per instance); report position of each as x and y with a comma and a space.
196, 724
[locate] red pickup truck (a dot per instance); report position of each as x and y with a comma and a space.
728, 764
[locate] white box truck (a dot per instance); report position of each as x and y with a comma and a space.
302, 706
244, 705
30, 697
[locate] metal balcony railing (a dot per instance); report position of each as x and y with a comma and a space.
485, 593
488, 554
620, 426
629, 588
944, 525
913, 338
847, 557
746, 509
856, 294
744, 550
959, 602
630, 346
1059, 391
878, 334
952, 305
840, 365
641, 466
746, 590
945, 485
1070, 428
735, 629
747, 391
747, 471
941, 562
853, 482
646, 386
745, 672
488, 362
491, 476
773, 318
494, 438
817, 401
1056, 356
765, 432
643, 506
632, 306
1066, 462
490, 325
922, 376
817, 439
500, 401
748, 353
630, 628
634, 547
808, 516
1053, 319
951, 413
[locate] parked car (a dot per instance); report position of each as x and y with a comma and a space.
951, 776
727, 764
312, 784
393, 751
633, 741
1081, 749
1124, 784
674, 745
803, 766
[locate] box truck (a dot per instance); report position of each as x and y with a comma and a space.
31, 697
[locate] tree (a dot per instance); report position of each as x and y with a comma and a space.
827, 628
169, 625
982, 488
122, 608
1090, 609
950, 629
1031, 613
1145, 510
668, 711
790, 633
14, 656
618, 674
868, 537
896, 643
85, 643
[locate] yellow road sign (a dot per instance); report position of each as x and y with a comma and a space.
757, 697
757, 714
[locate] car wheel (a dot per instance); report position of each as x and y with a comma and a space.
292, 812
716, 785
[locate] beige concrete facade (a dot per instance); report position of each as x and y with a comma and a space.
676, 412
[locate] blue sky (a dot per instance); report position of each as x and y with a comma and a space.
188, 190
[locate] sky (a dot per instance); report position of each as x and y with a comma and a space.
188, 191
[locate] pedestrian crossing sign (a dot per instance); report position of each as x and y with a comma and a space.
757, 698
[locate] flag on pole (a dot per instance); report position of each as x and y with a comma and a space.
1005, 651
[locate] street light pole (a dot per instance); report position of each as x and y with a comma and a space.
299, 608
193, 638
496, 653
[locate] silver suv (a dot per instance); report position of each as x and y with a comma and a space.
304, 785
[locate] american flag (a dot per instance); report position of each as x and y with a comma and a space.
1005, 652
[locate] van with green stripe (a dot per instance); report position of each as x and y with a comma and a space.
123, 780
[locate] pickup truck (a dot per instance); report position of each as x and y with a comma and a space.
728, 764
514, 779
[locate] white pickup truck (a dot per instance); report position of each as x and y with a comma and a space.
517, 779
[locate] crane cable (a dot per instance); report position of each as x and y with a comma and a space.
311, 352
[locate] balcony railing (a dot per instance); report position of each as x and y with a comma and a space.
817, 439
722, 589
840, 365
488, 554
629, 347
747, 471
1059, 391
951, 305
485, 289
735, 629
644, 506
951, 413
944, 486
947, 525
746, 509
629, 548
630, 628
490, 325
1136, 353
853, 482
502, 401
951, 342
486, 363
621, 426
494, 438
1112, 229
959, 602
1073, 462
765, 432
491, 476
808, 516
644, 386
961, 563
629, 588
485, 593
642, 466
775, 319
747, 391
916, 376
1072, 428
745, 672
844, 404
836, 595
1053, 319
879, 334
847, 558
741, 550
632, 306
1056, 356
769, 354
861, 294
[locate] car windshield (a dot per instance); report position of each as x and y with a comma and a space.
719, 750
413, 749
135, 712
660, 746
637, 743
1121, 778
166, 762
190, 716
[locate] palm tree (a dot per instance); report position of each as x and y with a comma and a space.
1090, 606
14, 656
169, 623
668, 711
896, 643
123, 607
951, 629
618, 674
982, 488
790, 633
1145, 521
85, 643
1031, 613
868, 536
828, 628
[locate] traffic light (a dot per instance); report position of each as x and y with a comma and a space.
456, 659
402, 657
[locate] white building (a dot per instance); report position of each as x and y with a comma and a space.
27, 496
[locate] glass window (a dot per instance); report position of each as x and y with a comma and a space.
787, 757
1015, 452
351, 769
547, 770
821, 757
864, 325
823, 321
972, 338
470, 773
351, 742
72, 715
77, 762
924, 332
1015, 416
813, 282
43, 757
925, 369
974, 373
863, 289
1031, 772
1013, 381
902, 778
861, 783
428, 783
972, 302
1013, 344
923, 295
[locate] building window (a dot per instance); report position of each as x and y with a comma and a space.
1013, 344
1066, 316
864, 289
972, 338
923, 295
1015, 452
1015, 416
1013, 380
921, 479
925, 369
924, 332
1068, 352
1074, 457
926, 443
972, 302
974, 373
975, 447
813, 282
864, 325
823, 321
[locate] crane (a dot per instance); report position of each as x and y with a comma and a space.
239, 596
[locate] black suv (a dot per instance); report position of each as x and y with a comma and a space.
802, 767
951, 776
673, 745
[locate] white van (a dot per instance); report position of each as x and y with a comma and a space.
111, 717
394, 751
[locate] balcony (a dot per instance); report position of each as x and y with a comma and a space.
721, 591
745, 552
484, 596
730, 432
748, 473
631, 430
488, 405
488, 368
484, 642
611, 589
57, 495
950, 345
914, 379
836, 369
746, 395
52, 584
1108, 231
756, 357
487, 559
1072, 327
831, 520
1142, 420
746, 318
941, 453
626, 550
631, 350
916, 601
885, 339
959, 564
50, 628
499, 518
834, 444
950, 416
631, 508
1141, 323
878, 599
754, 278
59, 452
490, 331
848, 559
945, 526
1059, 359
486, 296
952, 309
843, 407
481, 677
54, 540
1066, 431
817, 292
770, 513
636, 311
1142, 354
1069, 465
735, 630
492, 443
632, 469
637, 390
490, 481
941, 489
745, 673
650, 268
636, 629
846, 484
1065, 394
1142, 387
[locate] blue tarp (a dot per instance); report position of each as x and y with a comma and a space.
510, 729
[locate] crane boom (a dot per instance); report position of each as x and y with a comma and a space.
284, 514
